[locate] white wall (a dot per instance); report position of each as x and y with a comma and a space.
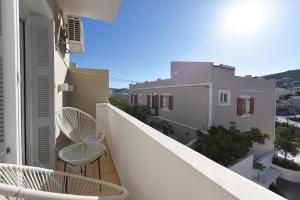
244, 167
153, 166
287, 174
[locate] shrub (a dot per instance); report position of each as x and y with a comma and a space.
287, 140
274, 189
225, 146
286, 163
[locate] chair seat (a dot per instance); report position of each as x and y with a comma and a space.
82, 153
25, 182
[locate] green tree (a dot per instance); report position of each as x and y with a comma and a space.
225, 146
259, 167
286, 140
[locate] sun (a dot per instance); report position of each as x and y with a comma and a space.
244, 17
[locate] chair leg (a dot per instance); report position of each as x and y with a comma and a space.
65, 166
81, 169
84, 170
99, 168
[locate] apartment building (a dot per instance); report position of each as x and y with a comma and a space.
199, 95
37, 79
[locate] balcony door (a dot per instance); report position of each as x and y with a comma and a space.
22, 80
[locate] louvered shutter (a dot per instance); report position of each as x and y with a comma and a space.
131, 98
161, 101
171, 102
43, 133
148, 101
153, 101
240, 106
1, 83
135, 99
156, 100
251, 106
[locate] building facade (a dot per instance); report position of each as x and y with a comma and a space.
201, 94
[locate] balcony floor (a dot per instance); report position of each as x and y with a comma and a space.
108, 171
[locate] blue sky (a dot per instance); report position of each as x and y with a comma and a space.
148, 35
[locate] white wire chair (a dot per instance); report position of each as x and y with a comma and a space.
82, 129
82, 153
77, 124
25, 182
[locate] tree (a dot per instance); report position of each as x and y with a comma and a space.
160, 125
225, 146
259, 167
286, 140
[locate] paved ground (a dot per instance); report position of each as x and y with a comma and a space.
283, 119
290, 190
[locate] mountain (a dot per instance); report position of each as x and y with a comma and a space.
285, 79
118, 90
293, 74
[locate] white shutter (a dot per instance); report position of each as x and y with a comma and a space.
42, 71
1, 82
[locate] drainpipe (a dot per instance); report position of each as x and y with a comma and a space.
210, 104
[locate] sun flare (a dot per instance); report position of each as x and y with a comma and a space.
245, 17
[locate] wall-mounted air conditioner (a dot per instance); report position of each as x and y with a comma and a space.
75, 34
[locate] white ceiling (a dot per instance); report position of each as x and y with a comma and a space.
105, 10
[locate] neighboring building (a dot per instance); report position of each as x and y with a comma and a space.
295, 103
120, 93
201, 94
282, 92
285, 81
283, 108
296, 89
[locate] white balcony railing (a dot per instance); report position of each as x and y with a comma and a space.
155, 167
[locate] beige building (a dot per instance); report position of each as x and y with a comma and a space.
201, 94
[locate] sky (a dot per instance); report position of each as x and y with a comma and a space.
258, 37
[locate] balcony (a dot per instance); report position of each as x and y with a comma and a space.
153, 166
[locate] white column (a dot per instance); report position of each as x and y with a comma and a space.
11, 61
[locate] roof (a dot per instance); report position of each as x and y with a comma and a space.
105, 10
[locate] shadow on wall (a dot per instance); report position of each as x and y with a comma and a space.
90, 86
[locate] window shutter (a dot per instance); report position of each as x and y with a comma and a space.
148, 101
153, 102
156, 99
161, 101
135, 99
1, 83
251, 105
171, 102
240, 106
42, 86
131, 98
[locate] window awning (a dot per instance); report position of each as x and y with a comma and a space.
105, 10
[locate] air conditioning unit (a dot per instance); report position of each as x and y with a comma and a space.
75, 34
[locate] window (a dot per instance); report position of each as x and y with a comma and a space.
245, 106
224, 97
166, 102
134, 99
140, 99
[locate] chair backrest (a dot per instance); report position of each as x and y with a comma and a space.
77, 124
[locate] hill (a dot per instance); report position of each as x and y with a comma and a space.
293, 74
117, 90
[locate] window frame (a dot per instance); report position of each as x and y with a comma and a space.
165, 106
228, 93
247, 106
